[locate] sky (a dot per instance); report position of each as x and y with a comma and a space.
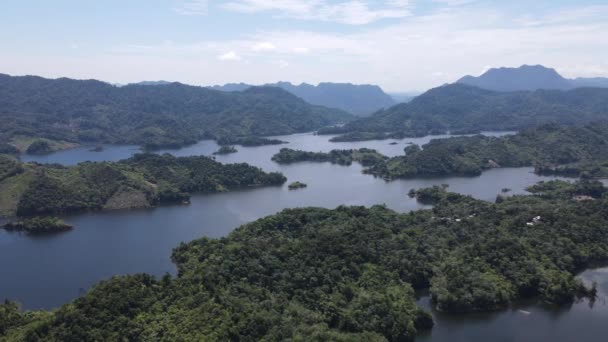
401, 45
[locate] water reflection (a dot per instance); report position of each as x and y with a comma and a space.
528, 320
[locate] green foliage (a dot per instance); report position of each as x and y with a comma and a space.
226, 150
154, 116
432, 195
9, 166
8, 149
463, 109
249, 141
10, 316
38, 225
141, 181
547, 147
345, 274
364, 156
356, 136
39, 147
561, 189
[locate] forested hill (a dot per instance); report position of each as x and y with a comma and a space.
462, 108
361, 100
164, 115
346, 274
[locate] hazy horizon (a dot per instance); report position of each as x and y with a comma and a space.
400, 45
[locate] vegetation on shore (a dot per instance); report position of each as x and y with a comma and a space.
343, 274
38, 225
39, 147
365, 156
143, 180
226, 150
249, 141
550, 149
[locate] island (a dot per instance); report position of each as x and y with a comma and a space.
550, 149
249, 141
225, 150
575, 151
335, 272
296, 185
144, 180
365, 156
38, 225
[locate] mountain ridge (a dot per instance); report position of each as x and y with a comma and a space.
459, 108
527, 78
358, 99
174, 114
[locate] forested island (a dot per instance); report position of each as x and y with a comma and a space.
551, 149
345, 274
38, 225
365, 156
297, 185
143, 180
226, 150
464, 109
64, 111
249, 141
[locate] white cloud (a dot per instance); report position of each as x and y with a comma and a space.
192, 7
263, 46
300, 50
352, 12
229, 56
282, 64
454, 2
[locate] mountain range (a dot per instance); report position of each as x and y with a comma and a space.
171, 114
360, 100
529, 77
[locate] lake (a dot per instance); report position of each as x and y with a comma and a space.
47, 271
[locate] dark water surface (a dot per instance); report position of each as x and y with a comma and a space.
583, 321
47, 271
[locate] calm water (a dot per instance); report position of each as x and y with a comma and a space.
531, 322
44, 272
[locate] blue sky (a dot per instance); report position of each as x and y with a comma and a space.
402, 45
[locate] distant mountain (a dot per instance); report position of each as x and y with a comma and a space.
152, 83
232, 87
598, 82
361, 100
529, 77
403, 97
171, 115
461, 108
